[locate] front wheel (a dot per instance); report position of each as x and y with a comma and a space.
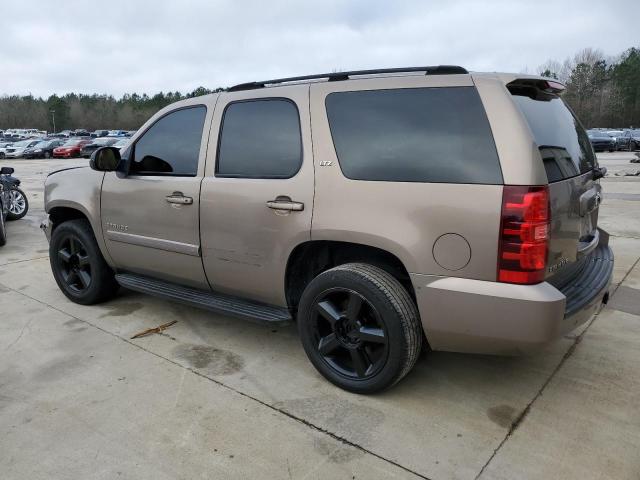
632, 146
359, 327
47, 155
78, 266
18, 204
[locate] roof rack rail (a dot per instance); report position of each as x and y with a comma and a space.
339, 76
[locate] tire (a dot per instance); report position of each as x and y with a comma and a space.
47, 155
632, 146
2, 155
19, 205
359, 327
3, 229
78, 265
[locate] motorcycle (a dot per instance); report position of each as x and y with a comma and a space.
13, 202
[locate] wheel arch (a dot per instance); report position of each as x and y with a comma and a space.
309, 259
60, 212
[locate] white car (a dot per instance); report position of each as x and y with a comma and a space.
17, 149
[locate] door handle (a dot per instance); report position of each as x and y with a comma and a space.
285, 203
179, 198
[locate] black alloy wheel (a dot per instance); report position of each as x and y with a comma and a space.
74, 263
359, 327
77, 264
350, 334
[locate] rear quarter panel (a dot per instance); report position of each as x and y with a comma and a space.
403, 218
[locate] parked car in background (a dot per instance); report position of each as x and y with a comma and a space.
615, 134
81, 132
71, 148
17, 149
43, 149
89, 148
630, 140
601, 141
99, 133
3, 147
117, 133
122, 143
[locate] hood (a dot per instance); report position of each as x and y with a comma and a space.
65, 169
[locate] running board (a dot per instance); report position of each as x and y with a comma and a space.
215, 302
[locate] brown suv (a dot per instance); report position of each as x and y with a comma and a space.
376, 208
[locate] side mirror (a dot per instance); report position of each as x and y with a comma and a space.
6, 171
105, 159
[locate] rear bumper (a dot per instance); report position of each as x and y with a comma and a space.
475, 316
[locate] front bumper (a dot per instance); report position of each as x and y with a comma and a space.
46, 227
475, 316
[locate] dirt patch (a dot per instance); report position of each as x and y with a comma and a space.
121, 309
205, 357
503, 415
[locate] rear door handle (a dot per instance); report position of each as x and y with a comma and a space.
179, 198
285, 204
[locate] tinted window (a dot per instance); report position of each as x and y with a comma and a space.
172, 145
558, 134
413, 135
260, 139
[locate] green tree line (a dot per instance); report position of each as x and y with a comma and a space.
604, 92
72, 111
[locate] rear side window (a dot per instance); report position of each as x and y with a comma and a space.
564, 145
171, 146
438, 135
260, 139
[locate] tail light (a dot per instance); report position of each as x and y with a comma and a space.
524, 234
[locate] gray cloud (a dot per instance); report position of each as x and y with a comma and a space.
147, 46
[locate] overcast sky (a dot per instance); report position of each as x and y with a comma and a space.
148, 46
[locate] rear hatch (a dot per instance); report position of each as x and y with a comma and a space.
569, 161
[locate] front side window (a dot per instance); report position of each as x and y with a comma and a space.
260, 139
438, 135
171, 146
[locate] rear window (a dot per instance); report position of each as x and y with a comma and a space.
563, 142
438, 135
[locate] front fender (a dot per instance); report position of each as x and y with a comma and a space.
78, 189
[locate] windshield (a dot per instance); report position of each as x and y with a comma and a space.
102, 141
41, 144
72, 143
563, 143
23, 143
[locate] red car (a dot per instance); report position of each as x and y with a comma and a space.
69, 149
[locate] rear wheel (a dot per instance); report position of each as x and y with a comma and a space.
18, 204
632, 146
78, 266
359, 327
47, 154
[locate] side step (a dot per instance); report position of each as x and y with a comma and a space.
215, 302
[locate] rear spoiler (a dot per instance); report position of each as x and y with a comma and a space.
536, 88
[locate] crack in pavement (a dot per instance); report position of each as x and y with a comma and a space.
238, 392
538, 394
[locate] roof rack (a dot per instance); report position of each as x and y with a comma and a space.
339, 76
